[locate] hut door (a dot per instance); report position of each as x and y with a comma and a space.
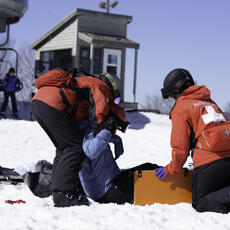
112, 61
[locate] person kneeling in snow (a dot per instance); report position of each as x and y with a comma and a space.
199, 125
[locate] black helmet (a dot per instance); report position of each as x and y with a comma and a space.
113, 82
176, 82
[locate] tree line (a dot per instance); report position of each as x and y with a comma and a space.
163, 106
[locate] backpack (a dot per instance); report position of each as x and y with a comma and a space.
215, 138
63, 80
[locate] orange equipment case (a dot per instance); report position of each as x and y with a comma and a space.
173, 189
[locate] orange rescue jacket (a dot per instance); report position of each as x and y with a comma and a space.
194, 111
92, 97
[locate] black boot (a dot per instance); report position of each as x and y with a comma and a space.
217, 201
67, 199
211, 206
15, 115
2, 115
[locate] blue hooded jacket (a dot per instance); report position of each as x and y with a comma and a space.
99, 168
9, 83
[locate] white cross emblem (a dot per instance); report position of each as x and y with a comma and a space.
212, 116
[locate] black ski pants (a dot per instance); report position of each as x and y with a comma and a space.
211, 186
122, 187
67, 138
6, 100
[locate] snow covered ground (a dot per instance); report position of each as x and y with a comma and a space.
147, 140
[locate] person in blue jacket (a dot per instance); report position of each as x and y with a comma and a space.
10, 84
101, 178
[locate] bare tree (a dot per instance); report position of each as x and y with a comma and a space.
157, 103
6, 59
227, 109
25, 67
26, 70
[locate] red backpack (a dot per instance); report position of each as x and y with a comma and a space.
215, 138
61, 79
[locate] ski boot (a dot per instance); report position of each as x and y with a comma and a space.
67, 199
15, 115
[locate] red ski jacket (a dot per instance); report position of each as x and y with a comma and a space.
90, 96
194, 111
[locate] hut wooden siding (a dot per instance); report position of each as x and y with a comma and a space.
66, 39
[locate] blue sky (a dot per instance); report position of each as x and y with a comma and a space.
192, 34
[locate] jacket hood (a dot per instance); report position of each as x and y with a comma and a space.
53, 77
196, 92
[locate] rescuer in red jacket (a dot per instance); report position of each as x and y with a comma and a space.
62, 100
199, 125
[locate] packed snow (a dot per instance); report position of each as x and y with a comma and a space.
147, 140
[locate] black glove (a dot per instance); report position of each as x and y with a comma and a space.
121, 125
109, 124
